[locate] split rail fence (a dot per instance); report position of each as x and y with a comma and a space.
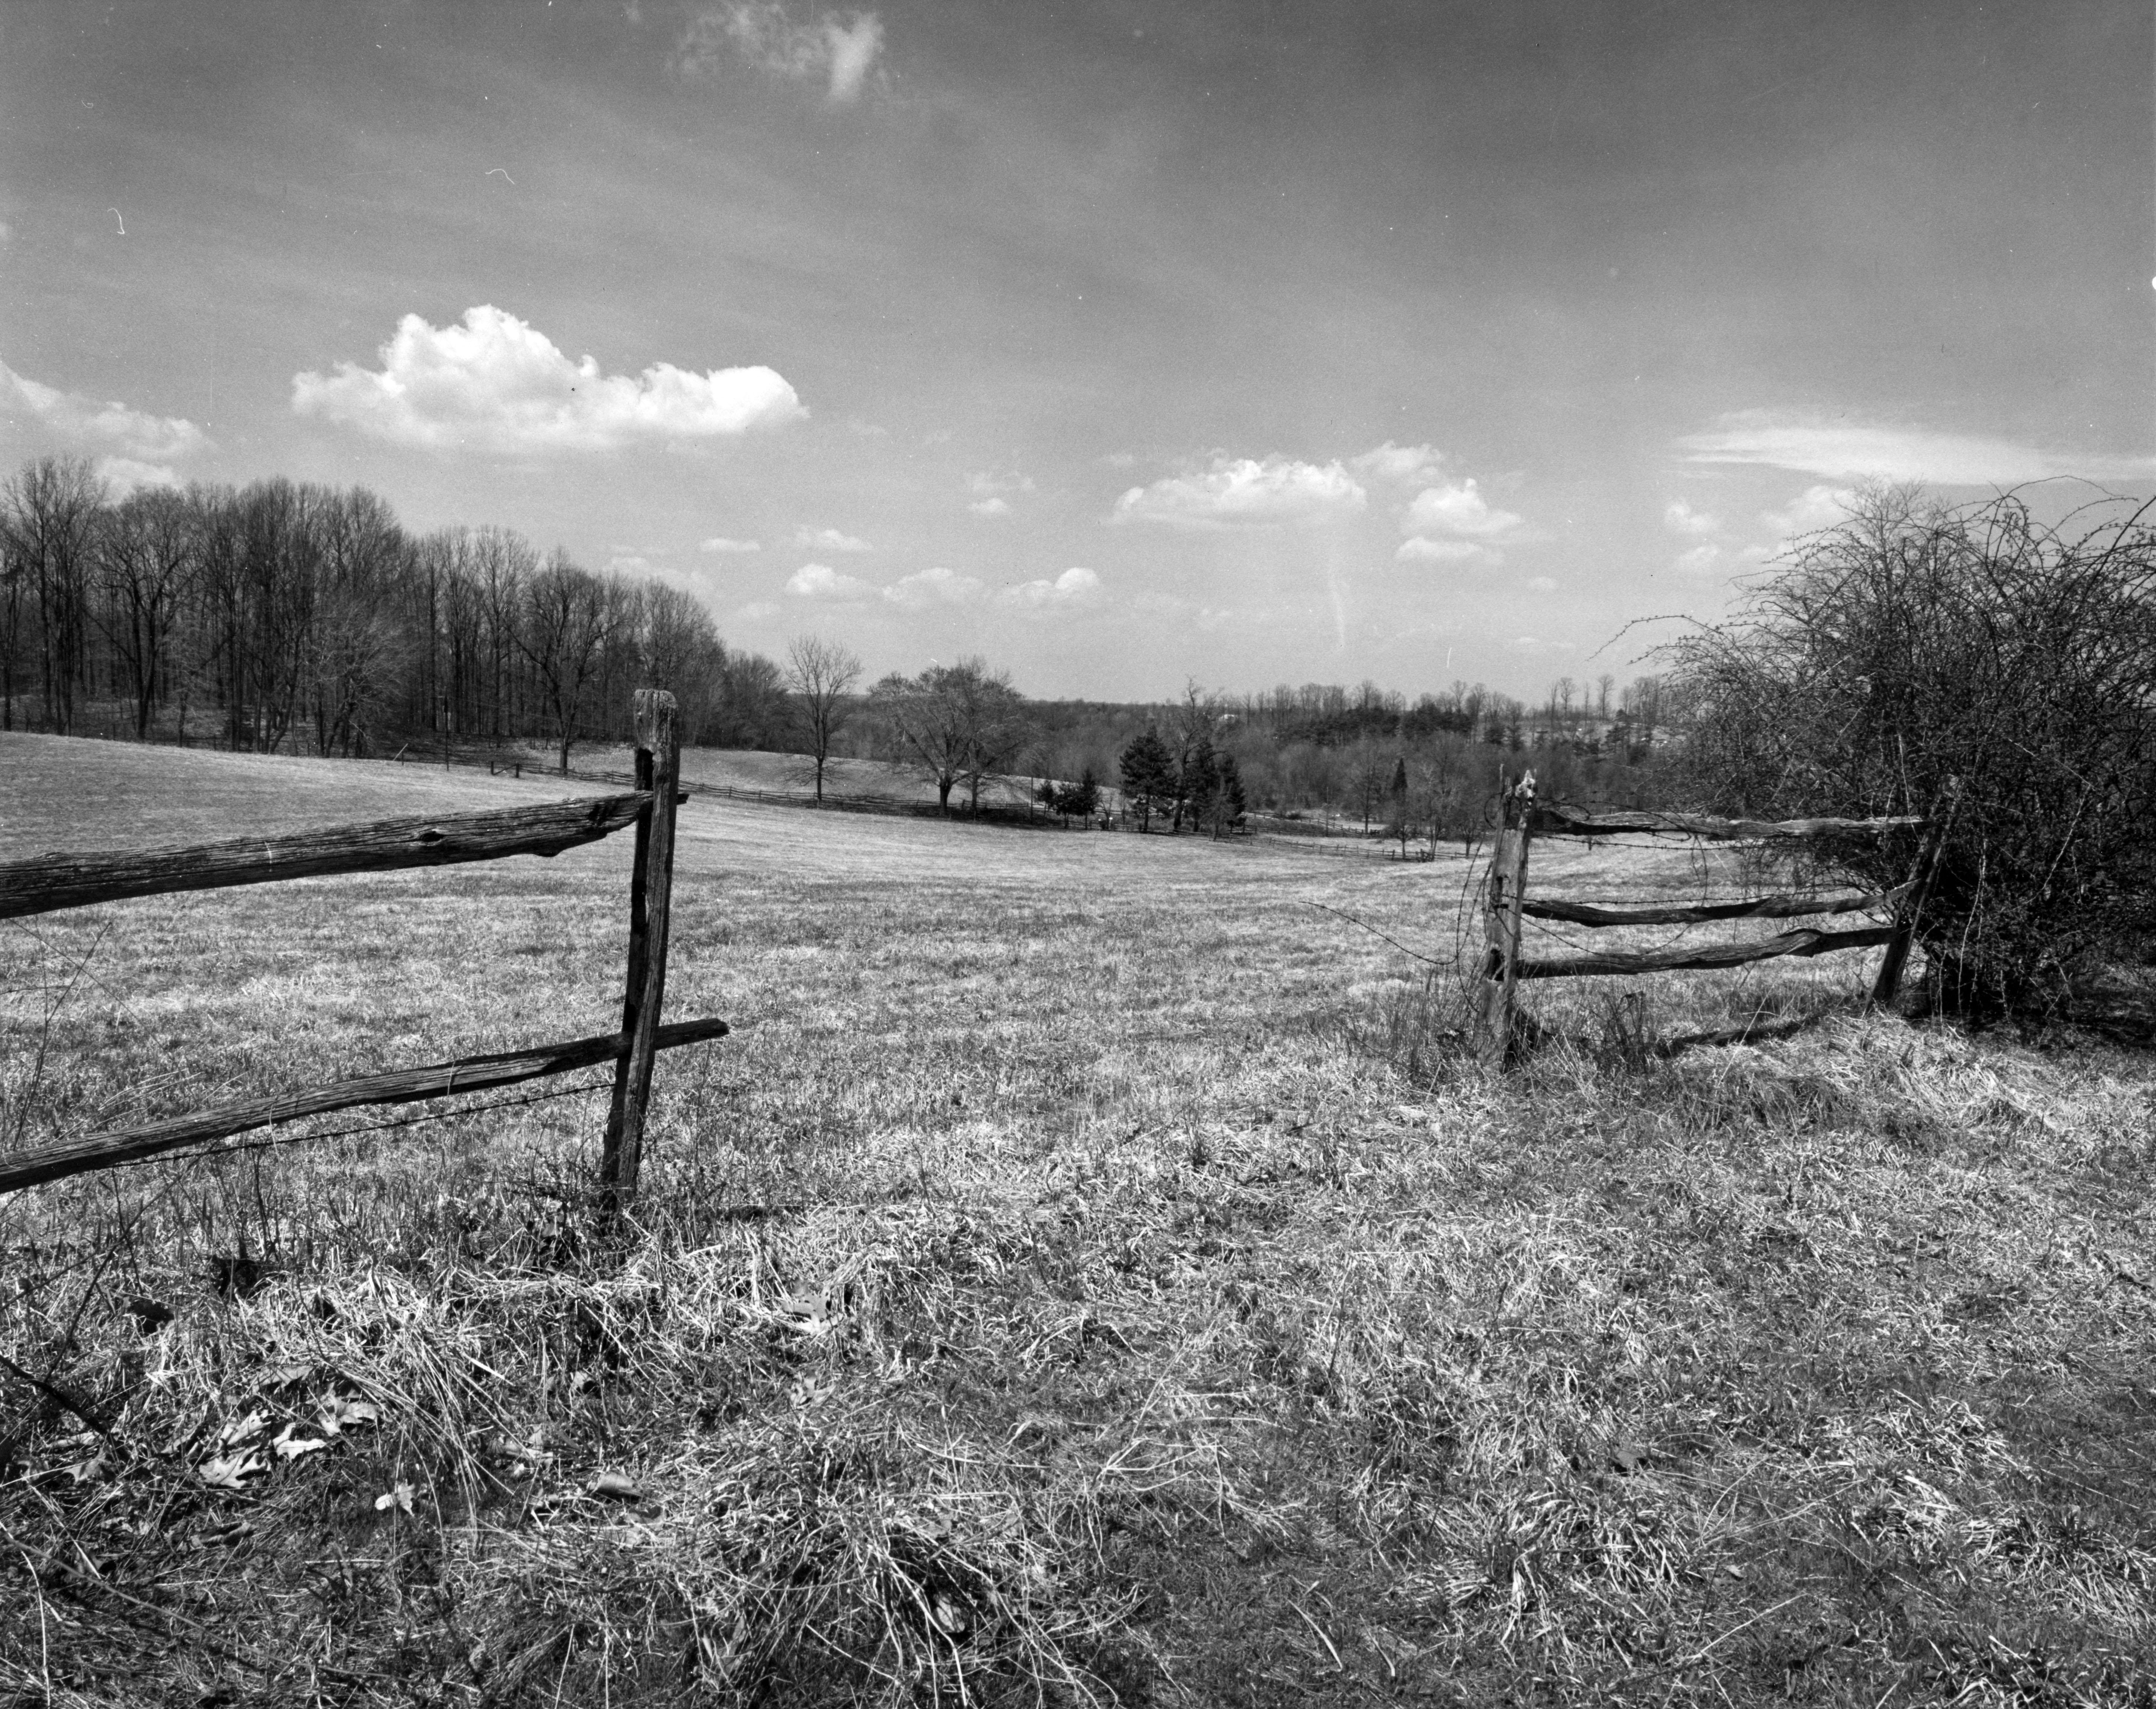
51, 882
1508, 905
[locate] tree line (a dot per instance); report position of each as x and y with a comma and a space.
283, 614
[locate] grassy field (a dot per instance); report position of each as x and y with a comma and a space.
1090, 1271
794, 774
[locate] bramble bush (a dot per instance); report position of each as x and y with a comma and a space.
1914, 644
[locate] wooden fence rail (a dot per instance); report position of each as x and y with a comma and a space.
1506, 906
403, 1085
48, 882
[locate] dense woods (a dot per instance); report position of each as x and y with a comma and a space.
287, 615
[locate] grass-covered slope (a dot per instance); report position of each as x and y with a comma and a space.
1086, 1270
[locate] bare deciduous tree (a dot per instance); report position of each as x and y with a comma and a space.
49, 514
822, 675
564, 635
958, 723
147, 551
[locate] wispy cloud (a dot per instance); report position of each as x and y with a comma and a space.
495, 383
1814, 508
935, 587
763, 34
1075, 587
129, 437
828, 540
990, 490
940, 587
1849, 451
125, 474
1245, 491
1404, 463
1422, 549
720, 542
1679, 517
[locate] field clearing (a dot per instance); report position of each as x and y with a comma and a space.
1090, 1267
793, 773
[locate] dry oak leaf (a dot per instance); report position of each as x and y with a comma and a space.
398, 1495
230, 1472
340, 1414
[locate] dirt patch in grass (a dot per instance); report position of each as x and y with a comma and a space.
1089, 1271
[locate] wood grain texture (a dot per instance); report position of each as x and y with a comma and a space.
47, 882
1765, 908
622, 1157
406, 1085
1558, 822
1811, 941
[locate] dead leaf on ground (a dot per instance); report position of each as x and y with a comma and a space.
290, 1445
397, 1496
230, 1472
341, 1414
244, 1430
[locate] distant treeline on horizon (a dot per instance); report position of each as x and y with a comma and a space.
288, 616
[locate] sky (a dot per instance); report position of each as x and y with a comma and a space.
1124, 344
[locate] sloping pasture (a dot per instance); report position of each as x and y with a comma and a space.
1090, 1269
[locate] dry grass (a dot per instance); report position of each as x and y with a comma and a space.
1089, 1271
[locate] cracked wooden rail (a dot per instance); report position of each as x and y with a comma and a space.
1506, 907
47, 882
404, 1085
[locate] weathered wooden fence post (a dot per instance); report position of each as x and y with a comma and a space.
1888, 985
1508, 881
658, 769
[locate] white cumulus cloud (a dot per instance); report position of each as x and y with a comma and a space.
1680, 518
764, 33
1242, 491
496, 383
934, 586
1074, 586
1457, 508
822, 581
990, 507
125, 434
1845, 451
828, 540
720, 542
1701, 560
